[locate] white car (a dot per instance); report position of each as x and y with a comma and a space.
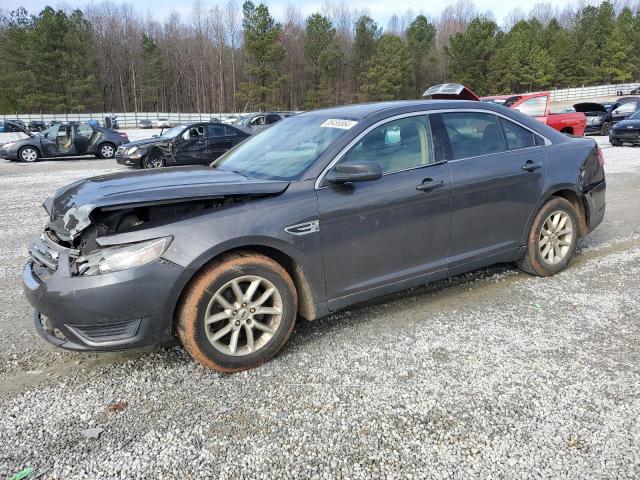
162, 123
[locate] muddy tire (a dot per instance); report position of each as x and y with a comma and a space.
238, 312
552, 239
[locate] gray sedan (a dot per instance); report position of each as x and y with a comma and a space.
65, 140
322, 211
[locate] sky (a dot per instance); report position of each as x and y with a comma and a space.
380, 10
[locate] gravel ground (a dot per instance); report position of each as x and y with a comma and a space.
493, 374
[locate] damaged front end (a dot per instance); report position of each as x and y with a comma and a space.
94, 290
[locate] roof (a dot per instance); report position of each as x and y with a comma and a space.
359, 111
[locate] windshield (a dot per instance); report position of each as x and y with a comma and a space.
286, 150
173, 132
635, 116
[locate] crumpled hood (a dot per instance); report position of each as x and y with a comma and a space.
70, 207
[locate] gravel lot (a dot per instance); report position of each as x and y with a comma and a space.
494, 374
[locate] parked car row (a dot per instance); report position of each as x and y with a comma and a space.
65, 140
194, 144
323, 210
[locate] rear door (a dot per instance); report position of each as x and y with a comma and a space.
64, 140
82, 137
381, 235
219, 141
498, 169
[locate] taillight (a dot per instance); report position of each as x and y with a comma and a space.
123, 135
600, 156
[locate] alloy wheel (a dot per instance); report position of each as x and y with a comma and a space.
243, 315
29, 155
107, 151
556, 236
153, 162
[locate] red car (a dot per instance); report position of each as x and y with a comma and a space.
537, 105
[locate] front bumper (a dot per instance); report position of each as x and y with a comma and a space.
624, 137
134, 161
114, 311
8, 154
594, 129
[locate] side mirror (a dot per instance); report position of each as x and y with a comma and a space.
154, 136
354, 172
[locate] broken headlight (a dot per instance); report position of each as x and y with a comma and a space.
131, 151
122, 257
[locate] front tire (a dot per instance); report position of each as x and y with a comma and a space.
237, 313
606, 128
552, 239
28, 154
152, 161
615, 143
107, 151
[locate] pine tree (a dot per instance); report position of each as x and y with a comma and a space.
364, 46
470, 55
388, 73
151, 82
420, 38
324, 57
264, 55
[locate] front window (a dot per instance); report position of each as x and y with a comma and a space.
395, 146
534, 107
626, 108
286, 150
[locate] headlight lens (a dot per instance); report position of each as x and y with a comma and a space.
131, 150
122, 257
9, 145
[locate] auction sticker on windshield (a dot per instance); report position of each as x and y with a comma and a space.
337, 123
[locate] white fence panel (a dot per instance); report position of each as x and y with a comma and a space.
612, 90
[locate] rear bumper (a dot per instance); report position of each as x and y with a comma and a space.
126, 309
596, 204
593, 129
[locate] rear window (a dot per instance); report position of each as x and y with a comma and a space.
517, 137
473, 134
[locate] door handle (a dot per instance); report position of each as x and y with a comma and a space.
429, 184
531, 166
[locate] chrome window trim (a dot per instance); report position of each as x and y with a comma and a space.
353, 142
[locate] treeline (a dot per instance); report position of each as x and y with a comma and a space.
108, 57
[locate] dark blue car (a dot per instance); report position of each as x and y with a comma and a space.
323, 210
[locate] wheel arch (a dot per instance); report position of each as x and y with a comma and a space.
569, 193
304, 293
30, 145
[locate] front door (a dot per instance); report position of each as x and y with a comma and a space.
385, 234
191, 147
498, 170
49, 141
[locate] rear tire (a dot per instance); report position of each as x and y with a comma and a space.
238, 312
107, 151
606, 128
552, 239
28, 154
